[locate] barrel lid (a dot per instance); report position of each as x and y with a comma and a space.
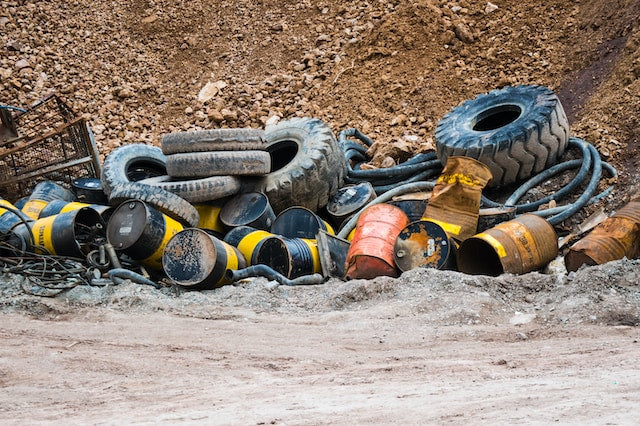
350, 199
423, 244
127, 223
189, 257
273, 252
297, 222
243, 209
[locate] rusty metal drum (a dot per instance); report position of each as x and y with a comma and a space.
521, 245
424, 244
616, 237
197, 260
371, 253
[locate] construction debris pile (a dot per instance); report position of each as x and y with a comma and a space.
216, 206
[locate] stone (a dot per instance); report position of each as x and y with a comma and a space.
463, 32
490, 7
229, 115
211, 90
22, 63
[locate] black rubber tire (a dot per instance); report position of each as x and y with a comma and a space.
218, 163
163, 201
197, 190
213, 140
517, 131
131, 163
309, 166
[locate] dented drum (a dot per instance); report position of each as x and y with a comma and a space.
299, 222
291, 257
248, 240
68, 234
197, 260
524, 244
616, 237
371, 253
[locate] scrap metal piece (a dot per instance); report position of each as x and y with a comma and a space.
333, 254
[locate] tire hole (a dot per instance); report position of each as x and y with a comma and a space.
496, 117
282, 153
139, 170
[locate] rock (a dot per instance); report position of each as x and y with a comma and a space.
490, 7
229, 115
211, 90
125, 92
22, 63
399, 120
14, 46
3, 21
149, 19
387, 162
188, 110
463, 32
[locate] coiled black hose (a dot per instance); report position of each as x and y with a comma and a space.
590, 163
418, 168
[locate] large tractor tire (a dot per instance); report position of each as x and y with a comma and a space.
517, 131
307, 165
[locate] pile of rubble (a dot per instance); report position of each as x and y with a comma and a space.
215, 206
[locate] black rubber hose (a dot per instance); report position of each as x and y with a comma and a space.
118, 275
585, 166
271, 274
415, 178
353, 133
23, 219
586, 195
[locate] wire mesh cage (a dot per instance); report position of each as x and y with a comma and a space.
52, 143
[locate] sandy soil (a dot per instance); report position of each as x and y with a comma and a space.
429, 347
371, 366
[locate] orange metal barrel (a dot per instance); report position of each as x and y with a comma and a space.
615, 238
518, 246
372, 249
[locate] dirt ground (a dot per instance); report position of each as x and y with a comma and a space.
429, 347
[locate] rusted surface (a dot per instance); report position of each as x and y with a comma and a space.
615, 238
455, 203
197, 260
371, 251
524, 244
424, 244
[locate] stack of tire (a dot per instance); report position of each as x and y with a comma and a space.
296, 162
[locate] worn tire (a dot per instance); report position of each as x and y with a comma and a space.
308, 165
131, 163
213, 140
197, 190
517, 131
218, 163
163, 201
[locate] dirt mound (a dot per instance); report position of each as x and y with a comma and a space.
603, 295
